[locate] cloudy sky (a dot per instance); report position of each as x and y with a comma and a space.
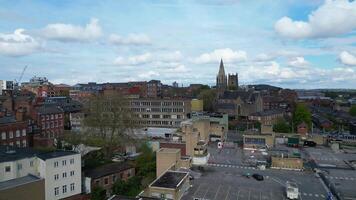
288, 43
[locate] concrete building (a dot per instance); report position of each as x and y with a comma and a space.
167, 113
170, 185
27, 187
61, 170
105, 176
285, 162
171, 159
154, 89
257, 141
62, 173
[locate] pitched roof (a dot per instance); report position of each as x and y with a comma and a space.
107, 169
49, 109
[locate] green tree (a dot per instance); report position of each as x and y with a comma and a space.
208, 96
98, 193
301, 114
282, 126
353, 110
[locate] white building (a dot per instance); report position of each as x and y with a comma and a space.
60, 169
62, 173
2, 86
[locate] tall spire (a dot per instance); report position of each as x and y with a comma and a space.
221, 69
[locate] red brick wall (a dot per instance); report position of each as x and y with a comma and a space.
13, 127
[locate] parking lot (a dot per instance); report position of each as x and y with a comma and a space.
228, 182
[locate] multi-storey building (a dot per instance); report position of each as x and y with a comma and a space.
161, 112
50, 120
61, 170
154, 88
13, 132
62, 173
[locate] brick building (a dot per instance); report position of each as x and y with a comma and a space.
105, 176
50, 120
13, 132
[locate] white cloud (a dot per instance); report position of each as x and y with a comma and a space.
148, 75
333, 18
70, 32
178, 69
228, 55
134, 60
264, 57
298, 62
347, 58
159, 59
131, 39
18, 44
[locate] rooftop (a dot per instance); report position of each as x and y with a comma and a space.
107, 169
8, 153
18, 181
268, 112
168, 150
170, 179
55, 154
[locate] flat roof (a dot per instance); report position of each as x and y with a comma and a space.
107, 169
55, 154
8, 153
18, 181
170, 179
168, 150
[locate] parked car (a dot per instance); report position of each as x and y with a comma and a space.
247, 175
310, 143
258, 177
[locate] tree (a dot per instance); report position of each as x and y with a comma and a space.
109, 123
98, 193
282, 126
353, 110
301, 114
208, 96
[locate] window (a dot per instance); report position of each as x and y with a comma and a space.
18, 144
106, 181
71, 161
56, 176
52, 116
17, 133
56, 116
64, 162
47, 116
56, 191
3, 135
11, 134
31, 163
11, 144
24, 143
59, 116
23, 132
114, 178
72, 187
64, 188
71, 173
43, 125
19, 166
56, 164
7, 169
64, 175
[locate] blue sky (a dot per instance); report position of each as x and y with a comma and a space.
288, 43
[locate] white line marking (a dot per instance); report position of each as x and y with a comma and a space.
216, 194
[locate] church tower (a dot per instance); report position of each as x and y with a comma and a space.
221, 79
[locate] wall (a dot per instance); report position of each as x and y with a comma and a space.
26, 168
197, 105
34, 190
165, 159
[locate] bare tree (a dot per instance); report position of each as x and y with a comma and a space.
109, 122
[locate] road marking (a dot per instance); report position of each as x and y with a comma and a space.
196, 190
238, 192
216, 194
249, 194
207, 190
228, 191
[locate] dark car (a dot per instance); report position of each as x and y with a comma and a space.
258, 177
310, 143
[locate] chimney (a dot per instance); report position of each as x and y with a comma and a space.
20, 114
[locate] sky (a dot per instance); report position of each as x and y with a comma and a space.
288, 43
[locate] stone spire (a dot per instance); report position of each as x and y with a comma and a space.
221, 79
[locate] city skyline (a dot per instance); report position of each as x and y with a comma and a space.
282, 43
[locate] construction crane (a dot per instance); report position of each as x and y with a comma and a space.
19, 80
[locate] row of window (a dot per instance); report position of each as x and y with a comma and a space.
64, 175
64, 189
19, 166
64, 162
52, 116
157, 110
18, 143
10, 134
144, 122
52, 124
155, 103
